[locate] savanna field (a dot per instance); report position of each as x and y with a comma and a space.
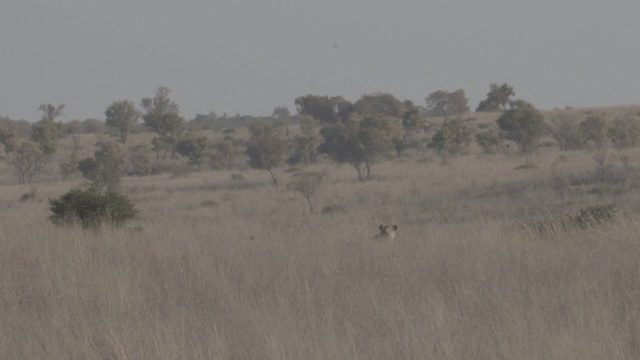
497, 257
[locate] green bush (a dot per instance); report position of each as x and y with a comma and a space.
194, 148
489, 140
91, 209
453, 138
523, 125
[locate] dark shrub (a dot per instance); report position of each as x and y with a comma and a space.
91, 209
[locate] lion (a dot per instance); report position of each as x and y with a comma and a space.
387, 232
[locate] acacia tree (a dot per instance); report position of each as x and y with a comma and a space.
266, 148
105, 168
379, 105
523, 125
194, 148
27, 161
305, 146
566, 131
594, 130
281, 112
342, 144
624, 132
453, 138
359, 144
307, 183
162, 116
47, 131
447, 103
411, 119
327, 110
121, 116
9, 138
497, 99
223, 153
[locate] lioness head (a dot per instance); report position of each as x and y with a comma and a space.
386, 232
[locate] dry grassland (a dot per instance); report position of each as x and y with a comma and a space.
213, 270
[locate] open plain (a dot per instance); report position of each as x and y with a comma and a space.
227, 267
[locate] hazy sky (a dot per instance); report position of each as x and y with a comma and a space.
248, 56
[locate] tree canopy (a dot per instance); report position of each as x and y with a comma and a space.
47, 131
379, 104
360, 143
122, 115
446, 103
497, 99
523, 125
266, 148
162, 113
327, 110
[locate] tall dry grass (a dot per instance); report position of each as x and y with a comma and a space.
217, 271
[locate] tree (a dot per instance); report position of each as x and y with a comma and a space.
447, 103
523, 125
458, 103
454, 138
359, 144
323, 108
489, 140
121, 116
307, 183
305, 148
377, 136
497, 99
281, 112
69, 168
624, 133
567, 133
412, 122
51, 112
10, 139
594, 130
47, 131
162, 116
266, 148
343, 145
139, 160
223, 154
27, 161
437, 103
411, 119
105, 168
379, 105
92, 126
201, 121
162, 145
194, 148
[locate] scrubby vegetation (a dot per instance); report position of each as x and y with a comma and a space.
509, 245
91, 209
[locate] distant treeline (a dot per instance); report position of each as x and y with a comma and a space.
212, 121
97, 126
